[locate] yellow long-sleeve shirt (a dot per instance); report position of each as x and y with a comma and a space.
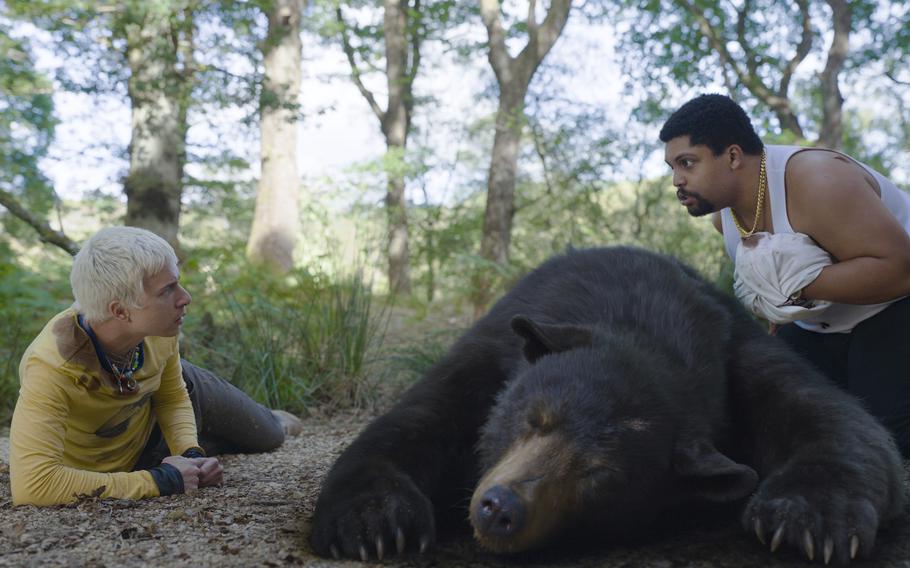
74, 433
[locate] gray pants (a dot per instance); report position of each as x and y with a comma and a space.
227, 420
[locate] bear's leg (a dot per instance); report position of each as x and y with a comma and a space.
831, 474
380, 496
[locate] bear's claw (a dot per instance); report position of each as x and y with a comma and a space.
809, 545
399, 540
759, 532
375, 523
776, 539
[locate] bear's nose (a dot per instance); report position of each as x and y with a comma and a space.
501, 512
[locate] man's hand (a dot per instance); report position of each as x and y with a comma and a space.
210, 471
189, 471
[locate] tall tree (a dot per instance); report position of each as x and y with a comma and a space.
276, 223
159, 53
403, 33
513, 76
149, 46
755, 47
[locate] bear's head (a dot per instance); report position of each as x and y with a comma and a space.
590, 438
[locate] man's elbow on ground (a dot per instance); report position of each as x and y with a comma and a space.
32, 492
24, 497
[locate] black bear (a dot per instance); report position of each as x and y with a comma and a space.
607, 386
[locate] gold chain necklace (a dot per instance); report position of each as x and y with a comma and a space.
759, 205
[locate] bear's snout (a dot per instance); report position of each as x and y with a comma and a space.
501, 513
526, 497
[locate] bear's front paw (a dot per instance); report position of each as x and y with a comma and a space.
380, 518
825, 526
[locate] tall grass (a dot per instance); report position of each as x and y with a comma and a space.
291, 343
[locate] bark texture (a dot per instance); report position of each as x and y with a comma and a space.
276, 222
396, 123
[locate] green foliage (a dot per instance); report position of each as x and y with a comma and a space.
292, 341
444, 246
28, 299
675, 49
26, 126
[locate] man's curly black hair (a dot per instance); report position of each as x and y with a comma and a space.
715, 121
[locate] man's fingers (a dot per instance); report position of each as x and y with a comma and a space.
190, 474
216, 479
210, 465
212, 474
190, 486
210, 471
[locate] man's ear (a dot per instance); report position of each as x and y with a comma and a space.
734, 155
542, 339
704, 474
118, 311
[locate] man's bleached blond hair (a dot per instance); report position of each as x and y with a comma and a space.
112, 265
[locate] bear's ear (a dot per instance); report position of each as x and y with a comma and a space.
542, 339
704, 474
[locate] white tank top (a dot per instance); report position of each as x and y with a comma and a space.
839, 318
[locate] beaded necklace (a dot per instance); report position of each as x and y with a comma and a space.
123, 369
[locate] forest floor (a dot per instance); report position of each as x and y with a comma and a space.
260, 517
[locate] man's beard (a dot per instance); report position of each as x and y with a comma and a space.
702, 206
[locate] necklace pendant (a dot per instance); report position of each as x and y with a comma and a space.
127, 378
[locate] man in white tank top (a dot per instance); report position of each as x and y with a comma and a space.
720, 166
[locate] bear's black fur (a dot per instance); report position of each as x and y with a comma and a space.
607, 386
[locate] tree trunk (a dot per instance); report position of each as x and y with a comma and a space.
399, 254
153, 185
513, 74
276, 223
395, 126
500, 209
402, 54
832, 102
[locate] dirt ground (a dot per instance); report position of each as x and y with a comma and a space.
260, 518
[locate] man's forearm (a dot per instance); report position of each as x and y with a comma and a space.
863, 280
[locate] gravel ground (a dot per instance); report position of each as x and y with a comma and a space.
260, 518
